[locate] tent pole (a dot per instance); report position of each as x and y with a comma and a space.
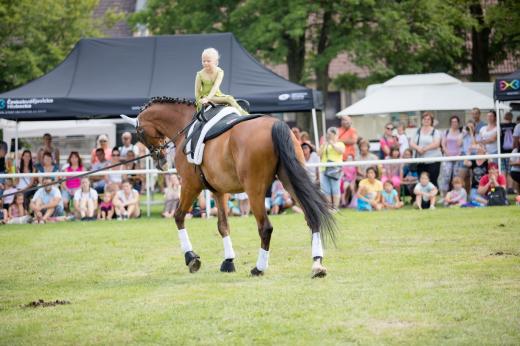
16, 145
323, 123
497, 107
315, 126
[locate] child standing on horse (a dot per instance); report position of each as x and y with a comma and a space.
208, 80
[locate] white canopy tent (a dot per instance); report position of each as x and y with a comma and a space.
419, 92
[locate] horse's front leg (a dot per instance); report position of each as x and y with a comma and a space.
186, 200
223, 228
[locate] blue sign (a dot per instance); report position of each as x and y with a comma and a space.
2, 104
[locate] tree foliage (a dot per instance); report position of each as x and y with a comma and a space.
36, 36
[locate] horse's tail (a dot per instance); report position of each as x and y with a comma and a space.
315, 206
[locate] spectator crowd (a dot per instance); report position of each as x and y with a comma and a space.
365, 187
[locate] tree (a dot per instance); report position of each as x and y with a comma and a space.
35, 37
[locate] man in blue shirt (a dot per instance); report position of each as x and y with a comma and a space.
47, 202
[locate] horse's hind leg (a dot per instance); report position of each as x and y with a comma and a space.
191, 258
229, 254
264, 231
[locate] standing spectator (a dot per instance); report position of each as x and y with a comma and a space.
86, 201
306, 138
99, 182
387, 141
48, 147
488, 134
297, 133
364, 155
393, 172
349, 183
490, 182
172, 195
9, 189
506, 143
135, 179
426, 143
452, 146
348, 135
402, 138
115, 180
478, 168
18, 213
311, 157
331, 151
26, 166
126, 202
516, 133
390, 197
46, 166
458, 196
102, 142
70, 186
47, 202
3, 164
475, 114
515, 165
127, 146
369, 192
425, 192
106, 207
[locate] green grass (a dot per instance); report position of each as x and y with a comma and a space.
404, 277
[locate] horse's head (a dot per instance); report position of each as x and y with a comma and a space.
151, 137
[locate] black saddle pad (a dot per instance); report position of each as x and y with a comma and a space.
219, 128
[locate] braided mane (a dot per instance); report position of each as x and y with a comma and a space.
167, 99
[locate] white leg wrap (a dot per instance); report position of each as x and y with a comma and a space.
317, 248
185, 241
263, 260
228, 248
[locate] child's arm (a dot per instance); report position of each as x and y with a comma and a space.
216, 85
197, 87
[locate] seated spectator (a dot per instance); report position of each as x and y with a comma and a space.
86, 200
491, 182
9, 189
281, 199
348, 183
49, 148
126, 202
4, 216
410, 176
364, 155
311, 157
243, 203
172, 194
115, 180
369, 191
127, 146
458, 196
135, 179
99, 182
478, 169
46, 166
18, 213
199, 207
425, 192
392, 172
71, 185
106, 207
390, 197
47, 203
102, 143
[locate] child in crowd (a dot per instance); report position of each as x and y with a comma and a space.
18, 213
363, 199
392, 171
458, 196
349, 182
106, 208
390, 197
402, 138
369, 191
4, 216
9, 189
425, 192
172, 194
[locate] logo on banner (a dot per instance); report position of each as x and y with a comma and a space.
2, 104
283, 97
513, 85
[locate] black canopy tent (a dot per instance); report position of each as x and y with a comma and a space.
103, 78
507, 88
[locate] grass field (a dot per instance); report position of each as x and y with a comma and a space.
407, 277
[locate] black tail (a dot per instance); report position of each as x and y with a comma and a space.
314, 204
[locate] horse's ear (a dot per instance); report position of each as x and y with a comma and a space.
129, 120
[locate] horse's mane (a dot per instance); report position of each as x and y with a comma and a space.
167, 99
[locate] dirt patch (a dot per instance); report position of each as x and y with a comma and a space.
41, 303
503, 253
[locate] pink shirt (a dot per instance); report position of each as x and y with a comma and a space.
73, 183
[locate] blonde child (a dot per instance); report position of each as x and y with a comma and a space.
106, 208
458, 196
425, 192
172, 194
208, 80
390, 197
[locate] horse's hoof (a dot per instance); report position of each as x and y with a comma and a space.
256, 272
318, 271
227, 266
192, 261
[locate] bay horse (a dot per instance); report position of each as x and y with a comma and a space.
247, 158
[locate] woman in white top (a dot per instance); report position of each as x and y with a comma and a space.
86, 200
488, 134
427, 144
115, 180
126, 202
